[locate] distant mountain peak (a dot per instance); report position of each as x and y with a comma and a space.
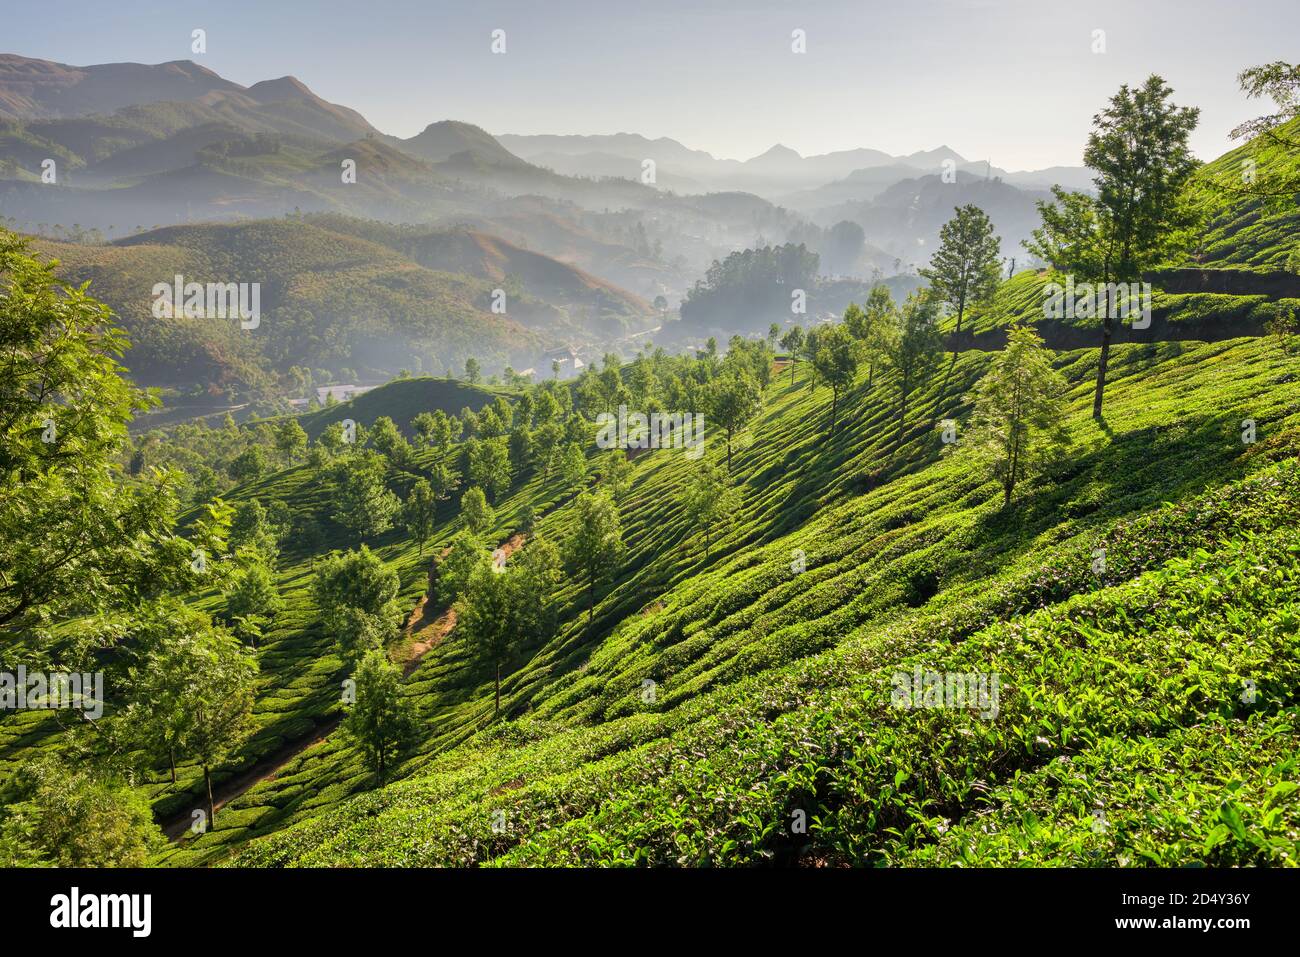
283, 88
187, 67
447, 139
780, 152
937, 155
438, 126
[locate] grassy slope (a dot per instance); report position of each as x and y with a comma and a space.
1241, 232
880, 553
297, 664
402, 400
1187, 314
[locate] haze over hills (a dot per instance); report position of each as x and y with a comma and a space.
122, 123
905, 549
452, 499
572, 223
779, 169
345, 293
904, 218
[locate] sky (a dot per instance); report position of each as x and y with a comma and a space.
1013, 82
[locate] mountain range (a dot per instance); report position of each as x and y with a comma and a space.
773, 173
135, 156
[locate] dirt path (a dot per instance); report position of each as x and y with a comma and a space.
422, 635
264, 770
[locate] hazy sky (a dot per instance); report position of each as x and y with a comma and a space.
1011, 81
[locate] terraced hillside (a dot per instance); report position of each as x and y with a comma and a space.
920, 599
771, 686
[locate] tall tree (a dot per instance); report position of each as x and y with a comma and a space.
500, 611
356, 595
573, 466
912, 350
615, 473
489, 466
966, 267
808, 352
362, 502
521, 449
1138, 149
870, 324
1019, 403
1280, 82
475, 510
157, 715
456, 567
595, 550
418, 512
252, 601
483, 618
434, 430
546, 443
382, 719
709, 500
290, 440
388, 439
792, 342
730, 401
836, 363
61, 814
220, 702
76, 532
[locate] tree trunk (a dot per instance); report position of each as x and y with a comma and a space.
1013, 471
171, 756
792, 371
497, 708
212, 808
902, 416
1102, 361
835, 398
952, 364
728, 451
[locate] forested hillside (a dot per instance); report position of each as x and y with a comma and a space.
1001, 572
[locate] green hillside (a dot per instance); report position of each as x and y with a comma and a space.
1242, 231
402, 401
916, 598
1236, 275
905, 553
594, 305
328, 300
337, 293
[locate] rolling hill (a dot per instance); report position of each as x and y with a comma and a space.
597, 307
771, 655
909, 561
329, 300
847, 634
